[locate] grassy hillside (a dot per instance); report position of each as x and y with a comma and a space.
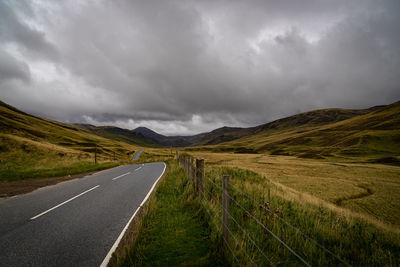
221, 135
373, 133
32, 147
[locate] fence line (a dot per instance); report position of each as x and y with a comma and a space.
196, 177
294, 228
269, 231
247, 255
265, 228
233, 254
286, 222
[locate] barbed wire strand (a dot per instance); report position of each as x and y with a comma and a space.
237, 242
214, 183
269, 231
249, 237
284, 221
287, 223
295, 228
247, 255
263, 226
233, 254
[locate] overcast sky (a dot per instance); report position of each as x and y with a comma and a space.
184, 67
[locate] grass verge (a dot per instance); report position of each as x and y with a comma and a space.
74, 168
174, 230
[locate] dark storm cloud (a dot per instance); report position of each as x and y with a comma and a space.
190, 66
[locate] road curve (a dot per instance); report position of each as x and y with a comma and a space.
137, 155
74, 223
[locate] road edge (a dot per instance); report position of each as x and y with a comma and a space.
109, 260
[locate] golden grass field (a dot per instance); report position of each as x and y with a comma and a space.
368, 189
365, 190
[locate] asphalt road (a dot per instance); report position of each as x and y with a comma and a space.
137, 155
74, 223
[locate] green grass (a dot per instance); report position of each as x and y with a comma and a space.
355, 241
174, 231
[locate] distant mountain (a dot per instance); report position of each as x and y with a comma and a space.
149, 134
119, 134
216, 136
175, 141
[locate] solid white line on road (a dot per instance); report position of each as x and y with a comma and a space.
116, 243
138, 168
154, 185
115, 178
59, 205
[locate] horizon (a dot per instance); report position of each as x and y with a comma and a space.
228, 126
184, 68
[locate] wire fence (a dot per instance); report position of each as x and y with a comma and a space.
244, 234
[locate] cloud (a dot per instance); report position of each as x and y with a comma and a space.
164, 63
11, 68
31, 42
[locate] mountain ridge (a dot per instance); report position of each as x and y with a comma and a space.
320, 129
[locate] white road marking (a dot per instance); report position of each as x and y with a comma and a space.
154, 185
115, 178
59, 205
116, 243
138, 168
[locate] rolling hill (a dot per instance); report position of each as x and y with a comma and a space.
227, 134
322, 133
31, 146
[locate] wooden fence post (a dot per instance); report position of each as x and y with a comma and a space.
200, 177
225, 209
